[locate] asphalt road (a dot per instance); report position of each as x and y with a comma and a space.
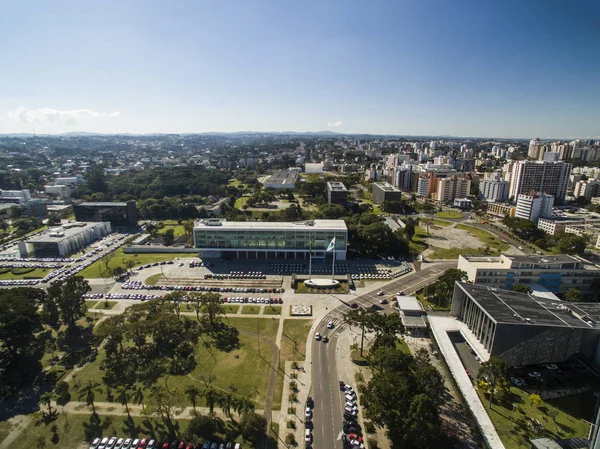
327, 413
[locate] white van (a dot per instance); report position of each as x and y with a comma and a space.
307, 436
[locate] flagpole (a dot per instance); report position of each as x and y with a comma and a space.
333, 267
310, 260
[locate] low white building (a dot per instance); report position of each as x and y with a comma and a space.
532, 206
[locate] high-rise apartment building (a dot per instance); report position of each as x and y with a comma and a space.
445, 188
493, 188
534, 148
531, 206
551, 178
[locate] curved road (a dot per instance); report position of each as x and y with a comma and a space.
328, 412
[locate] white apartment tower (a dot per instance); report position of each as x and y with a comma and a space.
533, 205
493, 188
534, 148
547, 177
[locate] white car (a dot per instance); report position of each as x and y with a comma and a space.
317, 336
380, 293
330, 325
308, 413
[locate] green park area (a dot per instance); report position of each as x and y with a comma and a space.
293, 341
452, 214
417, 245
492, 242
491, 245
241, 202
172, 224
119, 259
529, 420
272, 310
251, 310
242, 367
23, 273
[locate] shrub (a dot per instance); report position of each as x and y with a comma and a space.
290, 439
291, 424
293, 397
373, 443
369, 427
293, 385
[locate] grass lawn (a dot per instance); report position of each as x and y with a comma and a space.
105, 305
293, 344
272, 310
234, 183
91, 304
37, 273
402, 346
242, 367
241, 201
489, 240
341, 289
252, 310
230, 308
449, 214
73, 429
155, 279
172, 224
417, 245
278, 390
427, 305
563, 426
96, 270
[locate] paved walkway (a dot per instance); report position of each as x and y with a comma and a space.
439, 327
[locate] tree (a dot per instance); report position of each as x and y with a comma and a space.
137, 395
431, 383
522, 288
200, 427
409, 230
494, 373
123, 396
571, 244
209, 393
96, 180
534, 400
188, 229
362, 318
87, 393
68, 296
129, 264
118, 271
443, 288
164, 404
422, 423
169, 236
253, 426
290, 439
53, 220
192, 392
46, 399
386, 328
573, 295
212, 310
227, 401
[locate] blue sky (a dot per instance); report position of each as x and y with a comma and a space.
467, 68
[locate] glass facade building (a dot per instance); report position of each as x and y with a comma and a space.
270, 239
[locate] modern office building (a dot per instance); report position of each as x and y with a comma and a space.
281, 180
463, 203
493, 188
119, 215
525, 330
261, 240
558, 225
63, 241
533, 205
501, 210
556, 273
337, 193
57, 190
33, 207
382, 192
541, 176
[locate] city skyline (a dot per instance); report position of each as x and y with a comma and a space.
506, 70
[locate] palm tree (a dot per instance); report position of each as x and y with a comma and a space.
47, 398
87, 394
138, 395
226, 401
211, 396
192, 392
123, 397
245, 405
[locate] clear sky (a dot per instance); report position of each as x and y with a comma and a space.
494, 68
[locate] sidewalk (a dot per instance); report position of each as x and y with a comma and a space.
439, 328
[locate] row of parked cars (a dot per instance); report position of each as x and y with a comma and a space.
138, 285
139, 296
46, 265
241, 299
352, 434
18, 282
147, 443
237, 275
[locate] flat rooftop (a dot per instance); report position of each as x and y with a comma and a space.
282, 177
336, 225
505, 306
66, 232
387, 187
336, 186
408, 303
532, 261
100, 204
